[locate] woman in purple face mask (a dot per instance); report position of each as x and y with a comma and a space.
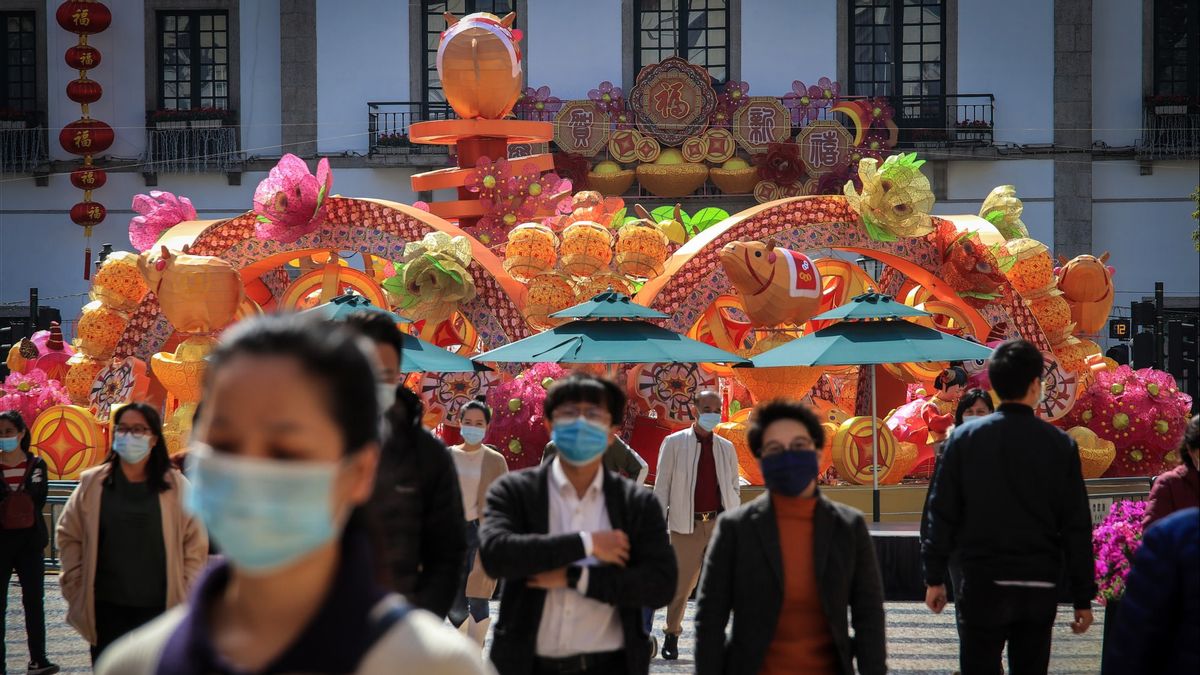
788, 566
129, 550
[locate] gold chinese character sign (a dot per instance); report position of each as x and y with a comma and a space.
582, 128
672, 100
761, 121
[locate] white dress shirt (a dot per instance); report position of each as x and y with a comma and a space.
571, 622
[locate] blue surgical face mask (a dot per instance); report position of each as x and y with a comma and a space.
473, 435
789, 473
263, 513
131, 449
579, 441
709, 421
10, 444
385, 394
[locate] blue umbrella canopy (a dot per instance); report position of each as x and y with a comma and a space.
856, 343
343, 306
609, 305
599, 341
870, 306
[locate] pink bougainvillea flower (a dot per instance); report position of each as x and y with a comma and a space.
735, 94
490, 232
622, 119
539, 104
720, 117
489, 178
879, 112
159, 211
801, 102
290, 201
608, 98
874, 145
827, 92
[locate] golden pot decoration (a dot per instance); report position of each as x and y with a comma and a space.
736, 432
672, 180
1095, 453
611, 184
735, 181
531, 250
586, 248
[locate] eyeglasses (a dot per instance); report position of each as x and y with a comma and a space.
597, 415
134, 431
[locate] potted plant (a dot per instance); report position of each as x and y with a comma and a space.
972, 130
15, 119
1114, 542
1168, 104
391, 144
209, 118
196, 118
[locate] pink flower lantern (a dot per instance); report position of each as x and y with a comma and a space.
290, 202
159, 211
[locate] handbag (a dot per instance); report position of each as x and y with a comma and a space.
16, 509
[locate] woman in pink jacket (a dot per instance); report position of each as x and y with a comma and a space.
128, 549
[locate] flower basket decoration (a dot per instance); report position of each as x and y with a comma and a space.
586, 248
531, 250
611, 183
434, 278
1113, 544
291, 202
672, 180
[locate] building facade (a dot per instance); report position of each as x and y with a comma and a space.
1088, 107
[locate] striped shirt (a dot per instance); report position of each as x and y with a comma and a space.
14, 476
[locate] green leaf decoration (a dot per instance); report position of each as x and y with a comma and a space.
706, 218
395, 284
321, 196
981, 296
1004, 261
734, 408
262, 219
637, 286
630, 219
877, 233
994, 217
618, 219
437, 264
666, 213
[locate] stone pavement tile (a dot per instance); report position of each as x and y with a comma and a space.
918, 641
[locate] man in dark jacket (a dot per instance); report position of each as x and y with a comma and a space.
582, 550
1158, 622
416, 511
1008, 497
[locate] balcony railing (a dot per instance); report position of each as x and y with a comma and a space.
22, 146
1169, 132
388, 122
193, 146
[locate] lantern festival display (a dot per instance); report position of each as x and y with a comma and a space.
85, 136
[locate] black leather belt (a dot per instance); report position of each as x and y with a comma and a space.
705, 516
595, 662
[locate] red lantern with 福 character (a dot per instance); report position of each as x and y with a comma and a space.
88, 214
86, 137
83, 57
83, 17
84, 91
88, 178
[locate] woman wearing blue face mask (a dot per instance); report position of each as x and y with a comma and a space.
128, 548
283, 455
478, 466
23, 536
788, 566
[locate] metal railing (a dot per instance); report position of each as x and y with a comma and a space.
195, 146
1170, 132
388, 122
22, 147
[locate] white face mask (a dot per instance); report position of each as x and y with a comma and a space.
385, 393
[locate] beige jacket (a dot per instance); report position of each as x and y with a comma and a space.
675, 480
79, 536
479, 584
421, 643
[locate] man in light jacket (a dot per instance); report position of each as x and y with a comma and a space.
697, 479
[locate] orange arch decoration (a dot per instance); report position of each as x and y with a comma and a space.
69, 439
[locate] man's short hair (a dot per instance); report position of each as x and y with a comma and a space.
1013, 367
378, 328
774, 411
584, 388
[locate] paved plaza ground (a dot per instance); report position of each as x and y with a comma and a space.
918, 642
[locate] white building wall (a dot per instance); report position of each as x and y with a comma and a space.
784, 41
573, 45
260, 102
1116, 71
968, 184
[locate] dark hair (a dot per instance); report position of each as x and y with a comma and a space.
954, 375
478, 404
584, 388
781, 409
1191, 439
336, 358
1013, 367
18, 422
968, 399
159, 463
378, 328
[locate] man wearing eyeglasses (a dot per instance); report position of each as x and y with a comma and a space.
582, 550
697, 479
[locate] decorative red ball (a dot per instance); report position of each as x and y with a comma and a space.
86, 137
89, 178
88, 214
83, 57
84, 91
83, 17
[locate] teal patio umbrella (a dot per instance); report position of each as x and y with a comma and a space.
608, 329
871, 329
418, 355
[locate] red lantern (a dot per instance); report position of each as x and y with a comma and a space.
89, 178
84, 91
83, 57
88, 214
86, 137
82, 17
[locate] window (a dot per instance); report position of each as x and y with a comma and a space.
193, 60
18, 62
1176, 47
897, 48
434, 24
696, 30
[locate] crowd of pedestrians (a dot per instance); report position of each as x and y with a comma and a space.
350, 540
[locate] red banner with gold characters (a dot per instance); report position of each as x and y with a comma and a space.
672, 100
85, 136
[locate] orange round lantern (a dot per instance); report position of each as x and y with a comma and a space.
100, 329
590, 287
852, 453
80, 376
586, 248
1032, 269
118, 283
641, 250
530, 251
1053, 315
548, 293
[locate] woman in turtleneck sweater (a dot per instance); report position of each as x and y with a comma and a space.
792, 612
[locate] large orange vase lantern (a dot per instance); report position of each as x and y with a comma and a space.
479, 63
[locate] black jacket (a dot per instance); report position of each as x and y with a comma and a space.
1008, 497
744, 575
514, 545
416, 515
37, 487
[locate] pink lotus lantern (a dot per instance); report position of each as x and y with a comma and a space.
290, 202
160, 211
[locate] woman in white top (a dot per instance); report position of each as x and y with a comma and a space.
478, 465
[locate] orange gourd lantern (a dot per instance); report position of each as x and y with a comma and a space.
1032, 268
100, 328
1087, 286
80, 376
641, 250
548, 293
479, 64
119, 283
